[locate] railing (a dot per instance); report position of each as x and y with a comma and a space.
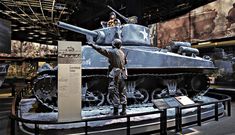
225, 99
163, 116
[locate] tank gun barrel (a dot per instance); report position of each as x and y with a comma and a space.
77, 29
122, 16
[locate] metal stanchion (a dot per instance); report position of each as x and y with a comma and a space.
224, 103
12, 126
178, 119
36, 129
229, 107
128, 129
199, 120
163, 122
86, 128
13, 89
216, 112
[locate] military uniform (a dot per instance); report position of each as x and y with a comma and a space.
117, 74
113, 22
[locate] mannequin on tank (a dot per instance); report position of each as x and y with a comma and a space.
113, 21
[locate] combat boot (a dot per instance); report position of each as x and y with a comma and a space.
115, 111
123, 110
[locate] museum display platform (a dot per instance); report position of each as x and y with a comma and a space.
98, 120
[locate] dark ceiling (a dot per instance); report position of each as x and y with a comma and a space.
34, 20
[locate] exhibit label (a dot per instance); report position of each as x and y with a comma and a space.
69, 81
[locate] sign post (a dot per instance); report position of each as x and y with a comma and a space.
69, 81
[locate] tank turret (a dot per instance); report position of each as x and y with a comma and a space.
131, 34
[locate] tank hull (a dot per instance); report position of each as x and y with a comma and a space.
147, 58
150, 72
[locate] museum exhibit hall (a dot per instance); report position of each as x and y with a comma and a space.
130, 67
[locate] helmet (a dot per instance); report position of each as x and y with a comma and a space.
113, 14
117, 43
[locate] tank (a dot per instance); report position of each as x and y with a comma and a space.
152, 72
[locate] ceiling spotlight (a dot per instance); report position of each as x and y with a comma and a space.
6, 13
16, 30
43, 33
13, 25
22, 28
30, 27
44, 23
37, 27
31, 33
50, 42
36, 30
30, 37
13, 12
24, 22
15, 18
43, 38
34, 20
23, 15
36, 35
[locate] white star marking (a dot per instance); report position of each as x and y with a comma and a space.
145, 34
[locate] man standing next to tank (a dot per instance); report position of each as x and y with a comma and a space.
117, 74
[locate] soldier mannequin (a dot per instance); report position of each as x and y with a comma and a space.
117, 74
113, 21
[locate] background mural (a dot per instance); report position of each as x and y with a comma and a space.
176, 29
212, 21
27, 68
30, 50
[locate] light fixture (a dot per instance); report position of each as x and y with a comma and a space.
44, 23
43, 33
36, 27
31, 33
34, 20
36, 35
24, 15
13, 25
24, 22
50, 42
30, 27
15, 29
22, 28
30, 37
15, 18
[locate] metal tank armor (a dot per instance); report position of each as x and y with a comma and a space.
153, 72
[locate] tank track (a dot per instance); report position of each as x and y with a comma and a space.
45, 87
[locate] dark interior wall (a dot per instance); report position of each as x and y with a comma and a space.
135, 8
5, 36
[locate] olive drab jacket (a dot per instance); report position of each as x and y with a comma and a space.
117, 59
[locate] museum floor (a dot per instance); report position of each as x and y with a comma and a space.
225, 125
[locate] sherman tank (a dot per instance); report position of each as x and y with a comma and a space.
152, 72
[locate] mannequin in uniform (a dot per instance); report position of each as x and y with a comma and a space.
117, 74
